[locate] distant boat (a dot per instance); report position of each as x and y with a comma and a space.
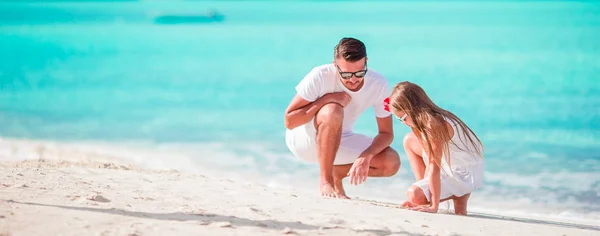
190, 19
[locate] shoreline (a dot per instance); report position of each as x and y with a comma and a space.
73, 198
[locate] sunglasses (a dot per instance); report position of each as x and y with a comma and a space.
348, 75
403, 118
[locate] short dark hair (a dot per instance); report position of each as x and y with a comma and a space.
350, 49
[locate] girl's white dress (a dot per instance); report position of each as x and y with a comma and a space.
465, 172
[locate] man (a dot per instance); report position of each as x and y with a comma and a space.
320, 120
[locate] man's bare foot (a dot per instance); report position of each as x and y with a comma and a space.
328, 191
339, 188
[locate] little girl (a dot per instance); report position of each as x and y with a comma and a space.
444, 153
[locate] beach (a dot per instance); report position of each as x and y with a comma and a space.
179, 126
71, 195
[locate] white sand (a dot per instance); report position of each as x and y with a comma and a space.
40, 197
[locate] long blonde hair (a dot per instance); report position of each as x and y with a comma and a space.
426, 116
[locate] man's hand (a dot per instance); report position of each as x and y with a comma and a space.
359, 171
341, 98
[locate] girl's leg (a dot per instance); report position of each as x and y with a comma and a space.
416, 197
414, 150
460, 204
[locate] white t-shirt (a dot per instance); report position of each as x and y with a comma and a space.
324, 79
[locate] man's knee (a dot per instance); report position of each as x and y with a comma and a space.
330, 112
416, 195
392, 162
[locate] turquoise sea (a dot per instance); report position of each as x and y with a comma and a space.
524, 75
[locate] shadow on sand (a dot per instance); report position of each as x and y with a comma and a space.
210, 217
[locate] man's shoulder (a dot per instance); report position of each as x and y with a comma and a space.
320, 73
377, 78
322, 69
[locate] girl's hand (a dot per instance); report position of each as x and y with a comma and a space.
408, 205
429, 209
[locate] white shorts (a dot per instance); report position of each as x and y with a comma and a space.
303, 144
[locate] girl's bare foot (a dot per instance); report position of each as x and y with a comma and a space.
460, 204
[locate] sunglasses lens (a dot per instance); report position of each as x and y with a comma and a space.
346, 75
360, 74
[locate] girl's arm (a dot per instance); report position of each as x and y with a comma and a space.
435, 160
434, 182
432, 169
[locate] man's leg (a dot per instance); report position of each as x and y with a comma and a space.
384, 164
328, 123
339, 173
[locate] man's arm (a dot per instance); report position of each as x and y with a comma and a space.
360, 169
300, 111
385, 123
383, 139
